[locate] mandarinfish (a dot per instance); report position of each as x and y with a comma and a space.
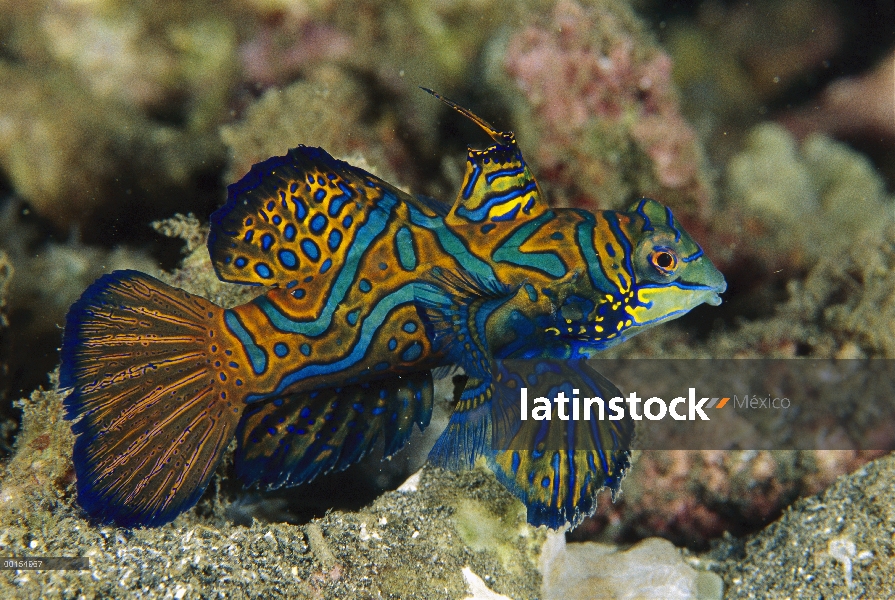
370, 289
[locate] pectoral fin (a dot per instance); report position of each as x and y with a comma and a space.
455, 318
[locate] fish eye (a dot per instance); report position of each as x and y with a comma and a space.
664, 260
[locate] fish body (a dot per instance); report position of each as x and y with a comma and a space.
370, 289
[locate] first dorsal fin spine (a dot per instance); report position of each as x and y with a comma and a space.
501, 137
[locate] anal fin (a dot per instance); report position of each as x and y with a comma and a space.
292, 440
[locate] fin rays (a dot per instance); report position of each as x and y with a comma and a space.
294, 439
151, 418
498, 186
557, 467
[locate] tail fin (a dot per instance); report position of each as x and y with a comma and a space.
152, 402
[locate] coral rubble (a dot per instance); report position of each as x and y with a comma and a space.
835, 544
652, 568
410, 543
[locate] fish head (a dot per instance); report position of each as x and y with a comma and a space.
670, 268
647, 270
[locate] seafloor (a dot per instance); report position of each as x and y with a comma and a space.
768, 127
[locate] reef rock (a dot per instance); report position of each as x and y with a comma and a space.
595, 90
837, 544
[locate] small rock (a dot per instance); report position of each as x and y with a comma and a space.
652, 568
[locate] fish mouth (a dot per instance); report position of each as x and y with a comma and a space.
714, 298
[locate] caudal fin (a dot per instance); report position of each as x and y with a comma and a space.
150, 396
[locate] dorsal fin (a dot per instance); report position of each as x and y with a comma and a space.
292, 217
498, 185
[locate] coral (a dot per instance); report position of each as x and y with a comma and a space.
803, 202
292, 39
142, 57
843, 308
6, 272
82, 160
393, 46
652, 568
808, 552
852, 107
597, 95
324, 111
438, 45
38, 479
65, 269
109, 106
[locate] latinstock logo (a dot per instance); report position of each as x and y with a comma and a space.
595, 408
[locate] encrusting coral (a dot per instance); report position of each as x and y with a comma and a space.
325, 110
732, 60
82, 160
107, 106
595, 90
810, 200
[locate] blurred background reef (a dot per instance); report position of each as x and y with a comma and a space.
767, 126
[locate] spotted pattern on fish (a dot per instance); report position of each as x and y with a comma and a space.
369, 290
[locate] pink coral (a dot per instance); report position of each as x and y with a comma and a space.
281, 50
852, 107
596, 89
670, 142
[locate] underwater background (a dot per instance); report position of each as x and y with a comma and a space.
768, 127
